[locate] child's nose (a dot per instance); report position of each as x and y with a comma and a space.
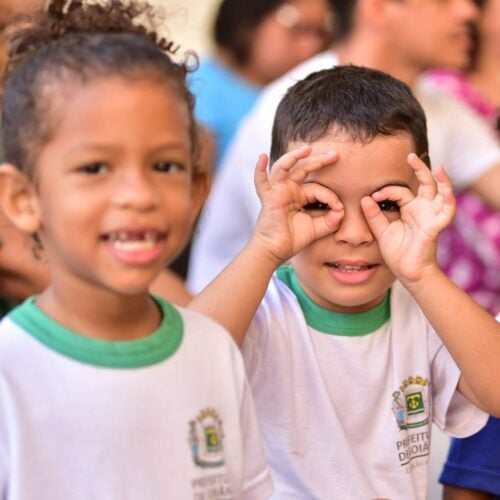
354, 229
135, 189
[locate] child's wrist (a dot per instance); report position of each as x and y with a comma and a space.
264, 255
420, 284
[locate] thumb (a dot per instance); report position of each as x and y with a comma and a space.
374, 217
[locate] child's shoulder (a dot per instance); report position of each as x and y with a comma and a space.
404, 308
281, 294
409, 325
201, 327
14, 345
209, 346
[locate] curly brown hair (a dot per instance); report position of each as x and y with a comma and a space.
78, 40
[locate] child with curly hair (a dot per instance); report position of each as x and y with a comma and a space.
106, 391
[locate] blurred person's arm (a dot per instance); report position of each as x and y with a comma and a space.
463, 141
488, 187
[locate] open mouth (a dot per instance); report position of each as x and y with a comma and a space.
134, 240
352, 273
351, 268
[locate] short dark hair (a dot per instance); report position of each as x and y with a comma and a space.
76, 41
354, 100
344, 17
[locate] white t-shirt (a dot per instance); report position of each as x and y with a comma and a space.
345, 402
169, 416
457, 138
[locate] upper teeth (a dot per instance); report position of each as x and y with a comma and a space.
150, 236
349, 267
124, 236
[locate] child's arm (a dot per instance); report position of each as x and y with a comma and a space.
282, 230
408, 246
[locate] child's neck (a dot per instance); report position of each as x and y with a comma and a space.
108, 316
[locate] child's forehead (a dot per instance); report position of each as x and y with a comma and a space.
363, 165
70, 83
119, 115
353, 144
111, 94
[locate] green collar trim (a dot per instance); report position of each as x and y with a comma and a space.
152, 349
334, 323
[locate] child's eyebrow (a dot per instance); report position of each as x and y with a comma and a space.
390, 184
386, 184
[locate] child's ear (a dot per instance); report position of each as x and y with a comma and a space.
202, 170
201, 184
18, 199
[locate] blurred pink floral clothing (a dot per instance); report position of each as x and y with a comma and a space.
458, 84
469, 250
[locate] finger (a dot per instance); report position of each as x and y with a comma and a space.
427, 184
445, 193
281, 167
297, 167
261, 177
313, 192
375, 218
323, 221
327, 223
397, 194
444, 185
299, 172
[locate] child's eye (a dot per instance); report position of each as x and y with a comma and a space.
93, 168
388, 206
168, 166
315, 206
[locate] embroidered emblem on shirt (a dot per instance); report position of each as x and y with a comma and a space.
410, 404
206, 438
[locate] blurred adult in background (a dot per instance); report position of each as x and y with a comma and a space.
256, 42
469, 250
404, 38
478, 83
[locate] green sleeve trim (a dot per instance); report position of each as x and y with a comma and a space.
146, 351
334, 323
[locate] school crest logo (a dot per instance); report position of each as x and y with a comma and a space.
410, 404
206, 438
